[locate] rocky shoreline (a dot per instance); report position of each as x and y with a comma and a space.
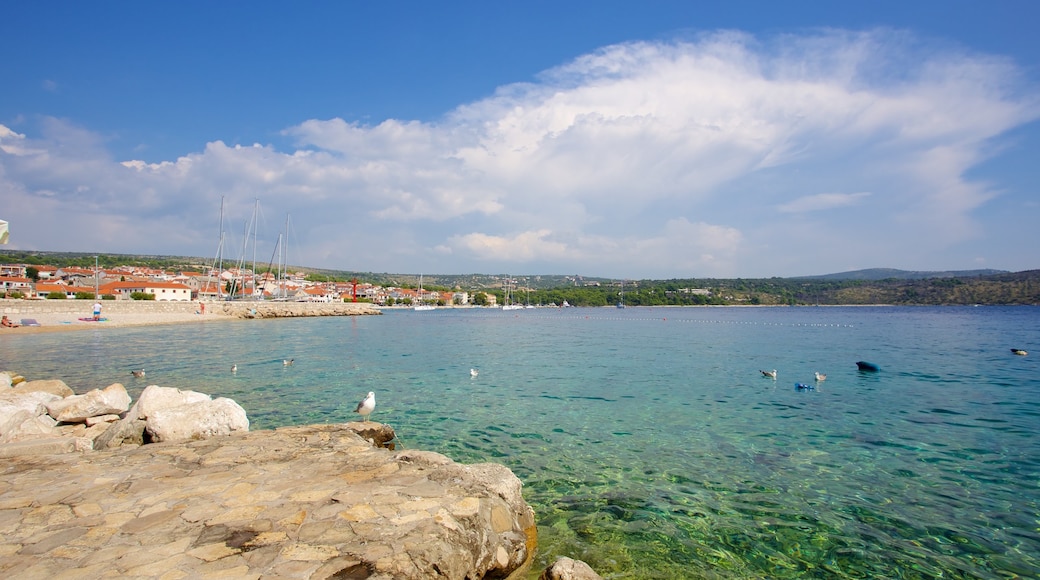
158, 491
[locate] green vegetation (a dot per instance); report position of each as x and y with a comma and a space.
141, 296
85, 295
876, 286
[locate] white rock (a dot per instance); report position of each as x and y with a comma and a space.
31, 403
199, 420
28, 425
154, 398
113, 399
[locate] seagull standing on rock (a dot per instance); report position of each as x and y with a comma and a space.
365, 407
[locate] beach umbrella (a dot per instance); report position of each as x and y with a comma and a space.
3, 232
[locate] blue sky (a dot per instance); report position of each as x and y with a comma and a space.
617, 139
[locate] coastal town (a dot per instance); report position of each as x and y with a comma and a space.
144, 283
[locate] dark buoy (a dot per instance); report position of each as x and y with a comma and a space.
868, 367
803, 387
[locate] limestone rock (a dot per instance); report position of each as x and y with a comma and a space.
124, 432
380, 434
155, 397
113, 399
54, 386
567, 569
12, 404
5, 379
199, 420
28, 425
297, 502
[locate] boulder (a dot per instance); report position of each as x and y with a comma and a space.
53, 386
12, 405
199, 420
27, 425
113, 399
124, 432
155, 397
567, 569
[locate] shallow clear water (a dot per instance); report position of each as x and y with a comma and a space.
649, 443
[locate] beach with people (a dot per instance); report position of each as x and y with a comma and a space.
37, 316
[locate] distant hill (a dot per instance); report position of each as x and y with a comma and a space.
893, 274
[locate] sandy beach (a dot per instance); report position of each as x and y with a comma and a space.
51, 319
69, 315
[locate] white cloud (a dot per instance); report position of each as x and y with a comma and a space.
660, 159
822, 201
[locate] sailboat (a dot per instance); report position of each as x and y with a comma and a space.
420, 305
509, 305
621, 302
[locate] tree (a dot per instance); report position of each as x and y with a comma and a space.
32, 273
480, 299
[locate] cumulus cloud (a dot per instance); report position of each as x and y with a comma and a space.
643, 159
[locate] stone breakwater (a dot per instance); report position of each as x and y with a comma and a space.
294, 309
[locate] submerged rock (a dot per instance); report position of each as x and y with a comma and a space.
567, 569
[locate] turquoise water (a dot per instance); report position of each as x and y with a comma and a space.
649, 443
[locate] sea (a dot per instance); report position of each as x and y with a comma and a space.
648, 440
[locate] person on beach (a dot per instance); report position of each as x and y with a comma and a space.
202, 307
6, 322
97, 311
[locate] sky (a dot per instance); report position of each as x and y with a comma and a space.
660, 139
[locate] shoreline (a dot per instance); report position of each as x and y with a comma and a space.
65, 315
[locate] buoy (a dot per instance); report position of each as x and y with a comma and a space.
803, 387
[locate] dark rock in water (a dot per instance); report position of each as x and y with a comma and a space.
868, 367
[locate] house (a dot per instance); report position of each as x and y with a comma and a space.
12, 270
15, 284
163, 291
44, 290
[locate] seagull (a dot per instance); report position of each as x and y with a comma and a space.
473, 372
771, 374
234, 368
1019, 352
139, 374
288, 362
820, 376
366, 407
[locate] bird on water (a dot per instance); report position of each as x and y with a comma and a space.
771, 374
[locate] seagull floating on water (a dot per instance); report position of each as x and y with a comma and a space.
473, 372
366, 406
1019, 352
771, 374
288, 362
139, 374
820, 376
234, 368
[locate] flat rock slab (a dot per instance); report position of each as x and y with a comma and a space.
298, 502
